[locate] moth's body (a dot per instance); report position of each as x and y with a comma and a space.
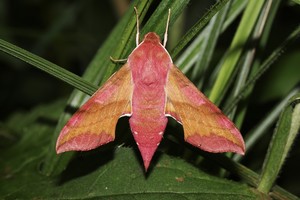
148, 88
149, 71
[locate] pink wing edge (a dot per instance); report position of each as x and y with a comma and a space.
212, 143
88, 141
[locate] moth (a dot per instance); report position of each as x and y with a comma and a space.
148, 89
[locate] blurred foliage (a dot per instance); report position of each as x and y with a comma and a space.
59, 31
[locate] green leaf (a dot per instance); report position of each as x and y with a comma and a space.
171, 179
246, 174
234, 53
32, 131
48, 67
209, 44
189, 57
293, 36
105, 173
198, 27
287, 129
256, 134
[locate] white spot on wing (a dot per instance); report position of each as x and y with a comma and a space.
126, 115
168, 115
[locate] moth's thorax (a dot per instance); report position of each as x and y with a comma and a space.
150, 62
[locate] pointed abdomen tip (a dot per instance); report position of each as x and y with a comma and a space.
147, 154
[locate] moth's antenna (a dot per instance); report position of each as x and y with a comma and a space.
137, 39
167, 27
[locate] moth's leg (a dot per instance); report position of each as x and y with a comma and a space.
124, 60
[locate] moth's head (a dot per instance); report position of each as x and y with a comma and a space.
152, 37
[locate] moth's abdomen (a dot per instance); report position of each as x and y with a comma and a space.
148, 120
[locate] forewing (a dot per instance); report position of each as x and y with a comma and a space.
205, 126
94, 123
